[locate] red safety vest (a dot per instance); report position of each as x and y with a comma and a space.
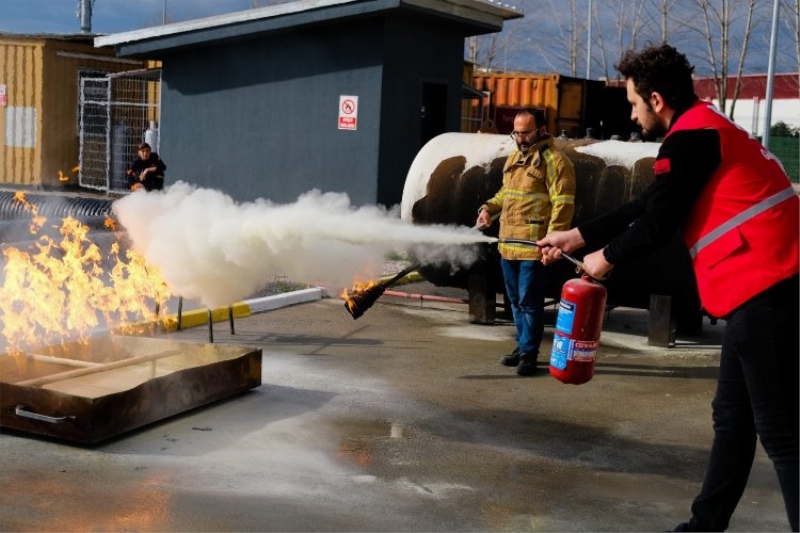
742, 231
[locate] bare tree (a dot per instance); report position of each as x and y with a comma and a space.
556, 40
725, 27
488, 50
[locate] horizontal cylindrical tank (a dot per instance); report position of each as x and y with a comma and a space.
455, 173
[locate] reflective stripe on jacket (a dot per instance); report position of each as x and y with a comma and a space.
537, 197
742, 231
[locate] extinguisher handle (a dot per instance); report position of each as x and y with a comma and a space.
580, 268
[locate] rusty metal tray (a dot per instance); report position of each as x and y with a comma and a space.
90, 392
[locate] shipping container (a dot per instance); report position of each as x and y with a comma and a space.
39, 104
574, 106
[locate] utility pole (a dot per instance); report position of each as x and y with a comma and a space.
164, 13
85, 14
589, 44
773, 45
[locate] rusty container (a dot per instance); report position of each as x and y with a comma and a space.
89, 392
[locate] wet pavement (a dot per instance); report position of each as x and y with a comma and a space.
402, 420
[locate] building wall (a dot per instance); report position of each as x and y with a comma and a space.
258, 118
751, 114
21, 116
62, 64
409, 64
39, 137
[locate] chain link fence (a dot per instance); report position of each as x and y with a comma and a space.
117, 113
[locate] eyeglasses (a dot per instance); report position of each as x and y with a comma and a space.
522, 134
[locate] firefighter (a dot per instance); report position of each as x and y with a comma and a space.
738, 214
537, 196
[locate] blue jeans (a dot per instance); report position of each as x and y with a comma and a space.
525, 284
757, 394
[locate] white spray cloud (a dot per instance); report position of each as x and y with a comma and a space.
209, 247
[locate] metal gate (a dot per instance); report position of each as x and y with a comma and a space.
117, 112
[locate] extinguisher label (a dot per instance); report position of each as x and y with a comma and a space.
585, 351
566, 349
562, 351
566, 317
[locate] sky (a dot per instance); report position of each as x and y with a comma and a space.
538, 51
108, 16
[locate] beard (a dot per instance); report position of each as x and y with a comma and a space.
655, 129
654, 133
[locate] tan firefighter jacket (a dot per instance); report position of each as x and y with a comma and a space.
537, 197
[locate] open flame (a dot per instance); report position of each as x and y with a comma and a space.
61, 288
65, 177
361, 297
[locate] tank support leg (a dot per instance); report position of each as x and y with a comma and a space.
661, 328
482, 299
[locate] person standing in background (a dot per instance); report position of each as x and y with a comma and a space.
537, 197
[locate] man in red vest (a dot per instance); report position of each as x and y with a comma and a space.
738, 214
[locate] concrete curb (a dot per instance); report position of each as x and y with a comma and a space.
199, 317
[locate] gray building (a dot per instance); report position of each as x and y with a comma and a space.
337, 95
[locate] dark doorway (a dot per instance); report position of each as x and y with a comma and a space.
433, 111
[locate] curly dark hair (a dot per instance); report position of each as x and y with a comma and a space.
661, 69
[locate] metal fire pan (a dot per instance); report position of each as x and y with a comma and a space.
90, 392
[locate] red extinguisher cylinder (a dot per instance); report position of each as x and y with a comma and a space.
577, 333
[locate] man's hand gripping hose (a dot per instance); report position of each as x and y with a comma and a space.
579, 268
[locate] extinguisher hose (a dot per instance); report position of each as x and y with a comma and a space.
579, 268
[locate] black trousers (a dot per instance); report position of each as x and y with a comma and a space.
757, 394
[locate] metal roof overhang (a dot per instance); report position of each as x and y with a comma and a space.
472, 17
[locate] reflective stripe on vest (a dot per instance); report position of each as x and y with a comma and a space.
741, 218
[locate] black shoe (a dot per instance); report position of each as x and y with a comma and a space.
511, 359
527, 364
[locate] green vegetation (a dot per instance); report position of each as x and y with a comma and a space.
787, 149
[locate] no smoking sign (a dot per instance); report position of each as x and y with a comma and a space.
348, 112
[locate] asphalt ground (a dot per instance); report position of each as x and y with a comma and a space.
402, 420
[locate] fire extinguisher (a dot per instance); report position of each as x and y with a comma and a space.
578, 325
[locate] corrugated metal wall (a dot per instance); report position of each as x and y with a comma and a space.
539, 90
39, 134
20, 117
63, 61
523, 90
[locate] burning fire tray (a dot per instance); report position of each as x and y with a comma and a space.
87, 393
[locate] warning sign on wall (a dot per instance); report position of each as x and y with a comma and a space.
348, 112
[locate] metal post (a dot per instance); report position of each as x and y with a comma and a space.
85, 15
589, 45
164, 13
661, 327
230, 318
210, 327
773, 45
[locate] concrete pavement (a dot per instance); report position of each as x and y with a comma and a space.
402, 420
